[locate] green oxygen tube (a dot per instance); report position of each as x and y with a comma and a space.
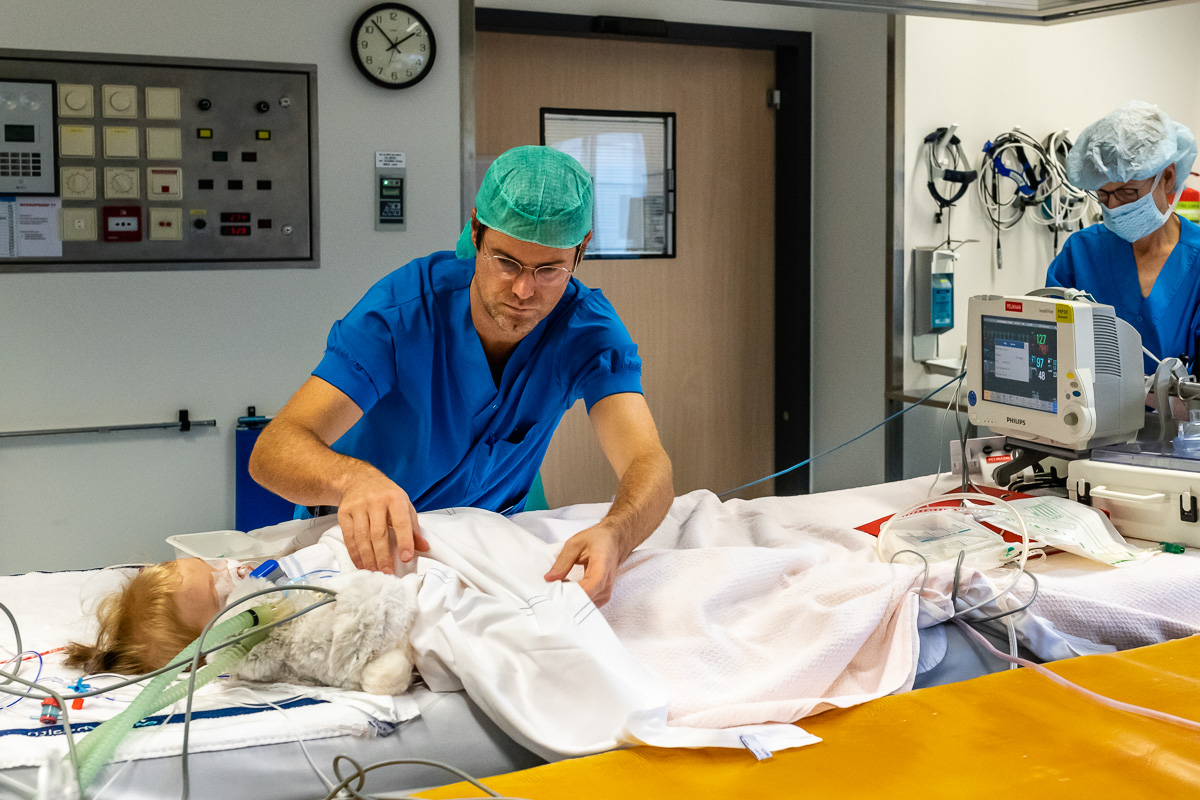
97, 747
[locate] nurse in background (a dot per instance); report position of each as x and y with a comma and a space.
1144, 260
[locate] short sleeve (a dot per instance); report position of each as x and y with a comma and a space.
360, 353
1062, 269
603, 359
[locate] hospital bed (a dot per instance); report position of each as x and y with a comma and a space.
450, 727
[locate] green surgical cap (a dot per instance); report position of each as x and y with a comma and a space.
535, 194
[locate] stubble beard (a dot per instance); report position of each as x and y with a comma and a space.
509, 323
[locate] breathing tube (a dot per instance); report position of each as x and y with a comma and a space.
97, 747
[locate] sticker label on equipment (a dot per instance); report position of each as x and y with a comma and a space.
1063, 313
393, 160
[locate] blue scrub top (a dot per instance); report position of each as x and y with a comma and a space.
434, 420
1101, 263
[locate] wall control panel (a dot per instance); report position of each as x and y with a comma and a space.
390, 173
389, 200
157, 163
27, 138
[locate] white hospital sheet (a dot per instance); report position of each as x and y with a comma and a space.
54, 608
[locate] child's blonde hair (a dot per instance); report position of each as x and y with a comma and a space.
140, 627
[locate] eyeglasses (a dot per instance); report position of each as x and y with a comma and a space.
545, 276
1126, 194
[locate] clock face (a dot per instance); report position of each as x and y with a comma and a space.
393, 45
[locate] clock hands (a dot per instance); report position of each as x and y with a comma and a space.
402, 41
379, 28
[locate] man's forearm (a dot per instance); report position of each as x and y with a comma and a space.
643, 498
295, 464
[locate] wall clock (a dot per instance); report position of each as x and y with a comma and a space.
392, 45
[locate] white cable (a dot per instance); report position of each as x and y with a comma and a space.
133, 756
1015, 205
942, 432
1099, 698
299, 739
18, 787
978, 498
1153, 357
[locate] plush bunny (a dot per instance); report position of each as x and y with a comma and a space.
360, 642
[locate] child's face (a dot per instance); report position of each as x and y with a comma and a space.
196, 597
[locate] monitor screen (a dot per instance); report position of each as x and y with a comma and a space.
1020, 363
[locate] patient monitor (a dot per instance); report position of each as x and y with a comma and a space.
1061, 373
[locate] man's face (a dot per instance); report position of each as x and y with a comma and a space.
513, 306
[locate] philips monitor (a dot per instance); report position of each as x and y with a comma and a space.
1067, 374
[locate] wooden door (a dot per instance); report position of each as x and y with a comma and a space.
704, 320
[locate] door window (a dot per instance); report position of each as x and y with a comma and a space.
631, 158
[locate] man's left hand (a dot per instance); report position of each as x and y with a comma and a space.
598, 551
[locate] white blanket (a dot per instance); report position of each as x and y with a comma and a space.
54, 608
731, 614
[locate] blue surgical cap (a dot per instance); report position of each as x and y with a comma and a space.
1135, 142
535, 194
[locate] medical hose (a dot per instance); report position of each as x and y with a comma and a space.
97, 747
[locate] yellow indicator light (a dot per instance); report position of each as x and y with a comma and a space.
262, 134
204, 133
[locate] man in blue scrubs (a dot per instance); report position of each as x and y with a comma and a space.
1144, 260
443, 386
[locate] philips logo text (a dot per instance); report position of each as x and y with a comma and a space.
1013, 421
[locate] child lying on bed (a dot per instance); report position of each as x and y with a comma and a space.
359, 642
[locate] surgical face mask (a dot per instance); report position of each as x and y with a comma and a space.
1138, 219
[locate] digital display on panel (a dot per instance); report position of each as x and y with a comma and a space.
235, 216
20, 133
1020, 363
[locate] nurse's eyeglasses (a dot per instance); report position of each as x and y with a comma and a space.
545, 276
1126, 194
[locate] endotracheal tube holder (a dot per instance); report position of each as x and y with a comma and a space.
97, 747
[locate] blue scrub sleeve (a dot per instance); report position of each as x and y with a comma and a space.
360, 354
603, 358
1061, 272
617, 371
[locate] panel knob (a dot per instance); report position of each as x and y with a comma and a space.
121, 101
76, 99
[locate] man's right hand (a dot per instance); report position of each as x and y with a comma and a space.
379, 522
293, 459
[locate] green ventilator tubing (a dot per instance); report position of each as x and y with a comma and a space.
97, 747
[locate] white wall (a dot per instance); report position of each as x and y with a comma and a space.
850, 186
80, 349
989, 77
83, 349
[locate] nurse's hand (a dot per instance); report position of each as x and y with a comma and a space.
597, 549
378, 522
